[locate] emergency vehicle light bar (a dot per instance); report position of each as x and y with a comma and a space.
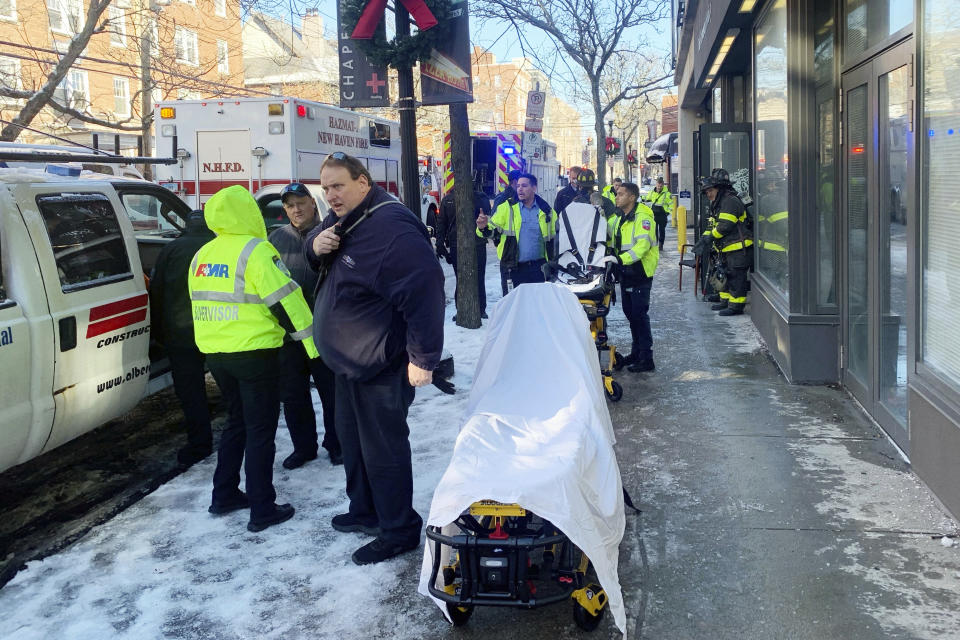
39, 156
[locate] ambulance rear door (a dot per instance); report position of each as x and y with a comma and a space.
97, 299
223, 160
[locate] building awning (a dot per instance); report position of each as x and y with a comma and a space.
662, 148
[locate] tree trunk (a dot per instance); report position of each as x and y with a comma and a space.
600, 131
468, 303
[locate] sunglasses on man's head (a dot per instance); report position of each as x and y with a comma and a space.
338, 155
294, 188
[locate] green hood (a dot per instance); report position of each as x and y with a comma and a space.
233, 211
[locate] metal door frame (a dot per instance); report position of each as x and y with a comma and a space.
868, 394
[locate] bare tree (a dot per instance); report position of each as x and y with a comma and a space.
595, 36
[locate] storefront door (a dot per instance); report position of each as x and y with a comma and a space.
879, 214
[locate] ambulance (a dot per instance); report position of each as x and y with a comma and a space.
494, 154
75, 253
265, 143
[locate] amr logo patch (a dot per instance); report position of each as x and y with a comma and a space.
212, 271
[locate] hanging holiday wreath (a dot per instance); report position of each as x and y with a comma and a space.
434, 25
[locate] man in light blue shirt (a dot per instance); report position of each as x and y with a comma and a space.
526, 232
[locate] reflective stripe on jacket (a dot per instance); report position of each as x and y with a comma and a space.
635, 240
235, 278
661, 199
506, 222
730, 232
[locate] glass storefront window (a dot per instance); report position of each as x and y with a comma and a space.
717, 114
824, 65
869, 22
940, 201
770, 99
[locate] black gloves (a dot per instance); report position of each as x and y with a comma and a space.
703, 246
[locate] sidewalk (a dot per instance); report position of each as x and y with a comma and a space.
768, 511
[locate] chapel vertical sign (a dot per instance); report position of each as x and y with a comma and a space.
446, 78
362, 84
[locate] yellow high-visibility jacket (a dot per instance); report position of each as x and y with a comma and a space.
660, 198
237, 277
506, 222
635, 240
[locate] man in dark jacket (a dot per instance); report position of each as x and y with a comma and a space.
172, 326
569, 192
295, 368
378, 322
447, 239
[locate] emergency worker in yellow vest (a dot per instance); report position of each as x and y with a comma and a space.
527, 228
732, 238
661, 203
610, 191
772, 227
244, 302
635, 251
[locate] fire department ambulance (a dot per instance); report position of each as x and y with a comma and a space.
74, 316
265, 143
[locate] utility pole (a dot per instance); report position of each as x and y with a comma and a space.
408, 121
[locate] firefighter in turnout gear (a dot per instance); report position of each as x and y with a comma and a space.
732, 235
634, 248
244, 302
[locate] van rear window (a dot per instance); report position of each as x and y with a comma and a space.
86, 239
379, 135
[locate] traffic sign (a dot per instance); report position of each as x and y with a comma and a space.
585, 157
533, 124
532, 145
536, 101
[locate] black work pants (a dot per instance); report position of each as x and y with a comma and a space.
248, 382
481, 273
190, 385
737, 266
372, 426
530, 272
296, 369
635, 298
661, 229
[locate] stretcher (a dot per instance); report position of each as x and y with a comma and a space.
529, 511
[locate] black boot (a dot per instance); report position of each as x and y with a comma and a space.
713, 297
734, 309
720, 305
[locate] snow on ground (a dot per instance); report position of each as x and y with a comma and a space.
165, 567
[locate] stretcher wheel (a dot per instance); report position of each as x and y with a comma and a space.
586, 620
616, 391
459, 615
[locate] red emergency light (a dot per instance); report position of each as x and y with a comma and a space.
301, 111
857, 149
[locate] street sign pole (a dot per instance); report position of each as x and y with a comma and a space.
408, 122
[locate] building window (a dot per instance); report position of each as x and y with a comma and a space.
496, 81
190, 2
220, 8
223, 58
826, 113
870, 22
187, 94
118, 27
938, 202
8, 10
65, 16
74, 90
121, 97
185, 46
10, 78
770, 96
717, 114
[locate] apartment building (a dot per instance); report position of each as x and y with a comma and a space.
194, 51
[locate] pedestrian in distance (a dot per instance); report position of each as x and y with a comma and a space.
172, 327
447, 240
296, 369
636, 255
527, 230
244, 303
378, 322
661, 202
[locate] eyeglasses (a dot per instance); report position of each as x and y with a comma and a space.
338, 155
294, 188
